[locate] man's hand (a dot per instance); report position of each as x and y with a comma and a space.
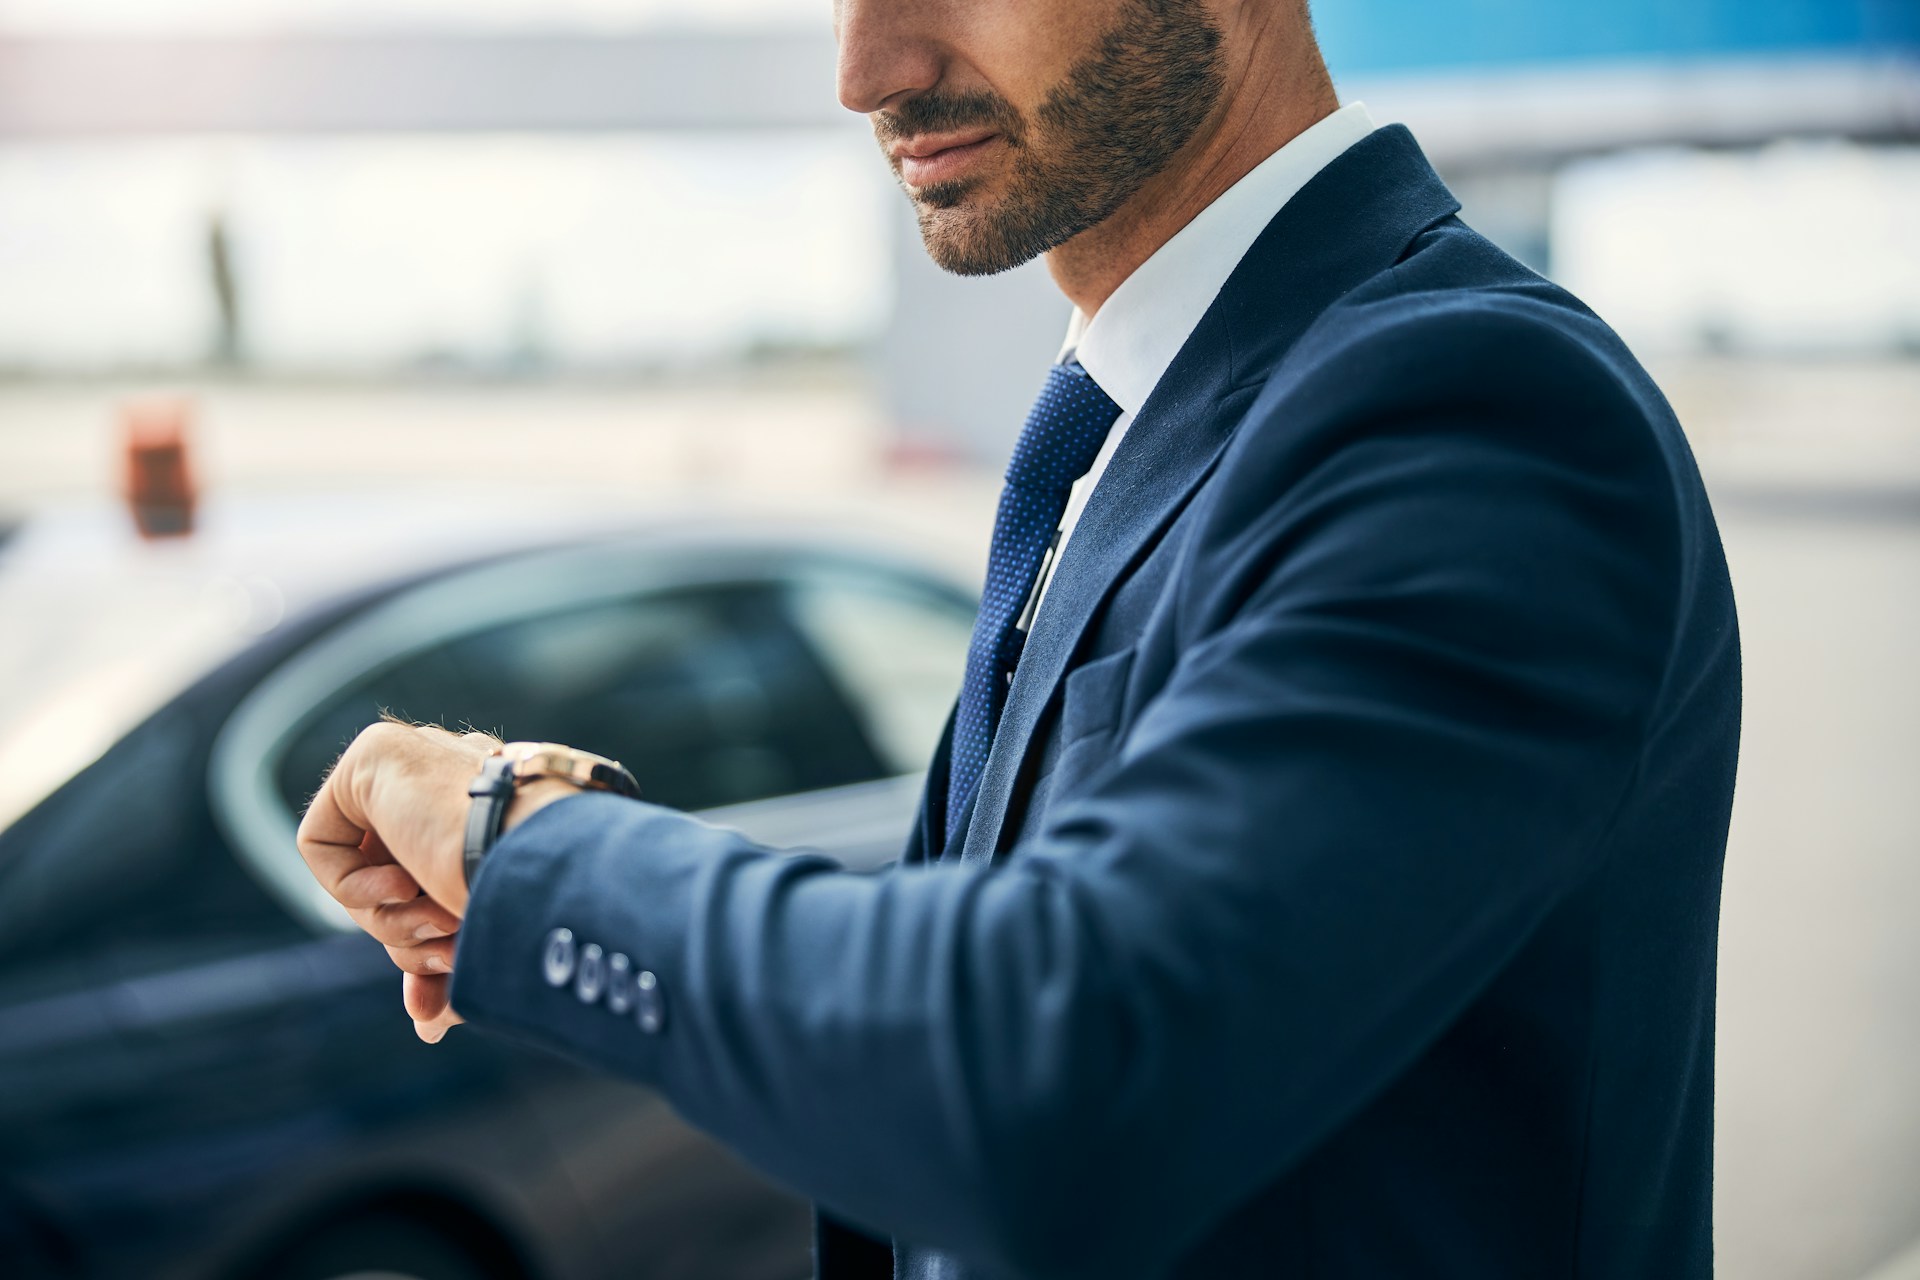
385, 837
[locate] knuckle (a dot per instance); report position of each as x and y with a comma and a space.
369, 735
386, 737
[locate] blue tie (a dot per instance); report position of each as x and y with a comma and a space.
1062, 437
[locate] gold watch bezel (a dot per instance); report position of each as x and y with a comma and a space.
583, 769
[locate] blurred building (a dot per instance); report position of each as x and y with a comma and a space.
590, 187
390, 238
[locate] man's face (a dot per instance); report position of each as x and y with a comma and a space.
1014, 125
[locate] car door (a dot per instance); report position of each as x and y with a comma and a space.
201, 1066
792, 694
187, 1073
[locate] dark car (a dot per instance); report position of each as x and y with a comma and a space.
204, 1071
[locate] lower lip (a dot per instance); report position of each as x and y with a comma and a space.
943, 166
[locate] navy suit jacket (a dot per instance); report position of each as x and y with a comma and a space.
1340, 896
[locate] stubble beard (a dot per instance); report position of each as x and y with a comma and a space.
1115, 120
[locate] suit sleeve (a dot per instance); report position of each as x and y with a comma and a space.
1424, 625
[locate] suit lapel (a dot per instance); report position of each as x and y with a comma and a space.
1168, 449
1350, 223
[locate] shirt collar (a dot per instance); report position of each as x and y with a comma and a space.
1128, 344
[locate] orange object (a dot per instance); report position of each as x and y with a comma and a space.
159, 490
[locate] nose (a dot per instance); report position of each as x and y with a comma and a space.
886, 55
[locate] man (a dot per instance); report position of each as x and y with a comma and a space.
1320, 874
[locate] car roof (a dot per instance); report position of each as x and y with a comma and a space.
106, 628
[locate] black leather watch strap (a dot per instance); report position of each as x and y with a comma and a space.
492, 792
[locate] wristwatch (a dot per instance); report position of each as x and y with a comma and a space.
512, 763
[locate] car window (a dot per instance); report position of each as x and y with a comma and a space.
899, 647
710, 696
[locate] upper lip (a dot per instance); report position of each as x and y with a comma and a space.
923, 145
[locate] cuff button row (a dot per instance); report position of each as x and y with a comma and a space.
593, 972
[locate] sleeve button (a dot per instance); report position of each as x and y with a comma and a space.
649, 1002
556, 963
591, 980
619, 984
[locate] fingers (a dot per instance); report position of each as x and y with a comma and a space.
409, 923
329, 836
375, 849
336, 840
410, 783
340, 866
415, 780
427, 1003
424, 959
426, 996
352, 864
367, 887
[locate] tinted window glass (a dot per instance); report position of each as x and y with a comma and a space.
711, 697
899, 647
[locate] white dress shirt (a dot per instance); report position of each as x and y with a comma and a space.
1128, 344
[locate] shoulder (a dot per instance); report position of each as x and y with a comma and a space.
1525, 349
1446, 357
1420, 426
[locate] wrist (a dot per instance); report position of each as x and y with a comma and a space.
533, 795
518, 779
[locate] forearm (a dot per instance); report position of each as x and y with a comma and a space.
1132, 1025
831, 1027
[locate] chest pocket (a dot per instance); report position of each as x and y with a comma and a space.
1092, 700
1090, 712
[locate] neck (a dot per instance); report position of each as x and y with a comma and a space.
1274, 93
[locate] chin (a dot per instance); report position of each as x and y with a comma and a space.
962, 251
966, 240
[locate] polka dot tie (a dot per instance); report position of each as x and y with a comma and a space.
1063, 435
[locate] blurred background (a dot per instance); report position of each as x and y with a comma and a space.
386, 285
